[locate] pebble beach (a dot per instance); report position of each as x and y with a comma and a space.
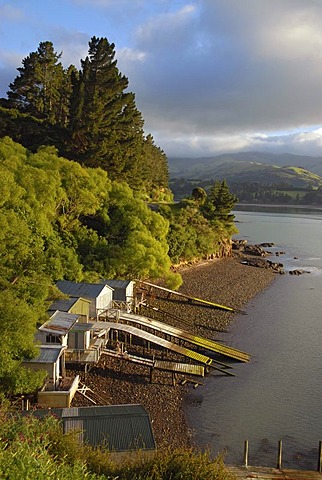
225, 281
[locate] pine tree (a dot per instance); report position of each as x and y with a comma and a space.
222, 200
106, 126
38, 88
88, 114
219, 202
156, 171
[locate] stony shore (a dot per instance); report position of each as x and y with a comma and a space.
113, 381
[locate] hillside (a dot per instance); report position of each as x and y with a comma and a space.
252, 176
229, 164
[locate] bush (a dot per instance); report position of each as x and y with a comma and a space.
37, 449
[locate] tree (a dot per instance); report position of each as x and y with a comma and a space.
18, 320
105, 124
89, 115
38, 89
155, 169
130, 240
220, 201
199, 195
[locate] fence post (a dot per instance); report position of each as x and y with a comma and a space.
320, 457
279, 460
246, 454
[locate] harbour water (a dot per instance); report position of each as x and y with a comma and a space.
278, 395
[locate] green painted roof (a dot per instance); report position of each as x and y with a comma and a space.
116, 427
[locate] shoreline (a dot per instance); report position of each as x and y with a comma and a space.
225, 281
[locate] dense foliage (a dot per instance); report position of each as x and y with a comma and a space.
60, 220
34, 449
254, 192
201, 225
88, 114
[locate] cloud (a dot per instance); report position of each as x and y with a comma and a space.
227, 66
129, 55
71, 43
302, 142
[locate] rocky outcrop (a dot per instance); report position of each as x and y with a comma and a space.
255, 250
250, 254
263, 263
298, 272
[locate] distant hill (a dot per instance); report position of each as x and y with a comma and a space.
299, 171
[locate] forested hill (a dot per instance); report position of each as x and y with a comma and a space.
230, 163
255, 177
89, 115
78, 175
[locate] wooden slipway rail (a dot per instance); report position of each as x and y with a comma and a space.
198, 357
188, 297
186, 336
176, 367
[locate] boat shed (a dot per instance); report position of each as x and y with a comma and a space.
57, 328
100, 295
123, 290
50, 359
119, 428
77, 305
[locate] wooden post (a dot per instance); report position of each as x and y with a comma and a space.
320, 457
246, 454
279, 458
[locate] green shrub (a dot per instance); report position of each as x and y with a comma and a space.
33, 449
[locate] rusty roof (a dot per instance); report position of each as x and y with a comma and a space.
59, 323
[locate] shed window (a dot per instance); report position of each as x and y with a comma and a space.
52, 339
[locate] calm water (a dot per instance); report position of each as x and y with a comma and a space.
278, 395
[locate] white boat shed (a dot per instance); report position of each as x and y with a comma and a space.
100, 295
123, 290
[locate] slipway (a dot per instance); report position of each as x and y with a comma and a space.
185, 336
189, 298
149, 337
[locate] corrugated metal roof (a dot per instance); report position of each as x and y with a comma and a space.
64, 305
117, 427
47, 354
123, 284
87, 290
82, 327
59, 323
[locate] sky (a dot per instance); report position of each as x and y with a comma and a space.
209, 76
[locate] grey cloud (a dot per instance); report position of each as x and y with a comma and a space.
233, 66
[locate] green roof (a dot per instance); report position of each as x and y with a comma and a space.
117, 427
